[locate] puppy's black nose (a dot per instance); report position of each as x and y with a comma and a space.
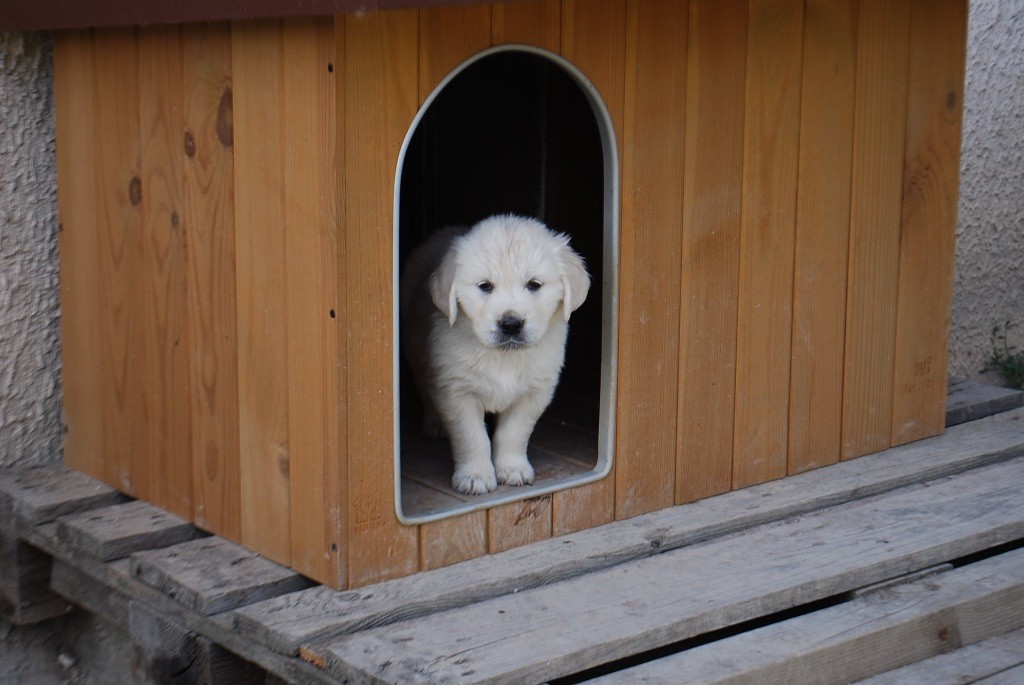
510, 325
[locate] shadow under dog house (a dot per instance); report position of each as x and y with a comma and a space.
765, 190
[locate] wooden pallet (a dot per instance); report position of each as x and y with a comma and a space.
755, 585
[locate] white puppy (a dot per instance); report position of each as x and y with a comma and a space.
485, 315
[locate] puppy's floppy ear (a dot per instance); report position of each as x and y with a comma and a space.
442, 287
575, 279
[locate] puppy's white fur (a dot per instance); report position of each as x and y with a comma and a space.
485, 316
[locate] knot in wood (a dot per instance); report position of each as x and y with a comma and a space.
135, 191
190, 144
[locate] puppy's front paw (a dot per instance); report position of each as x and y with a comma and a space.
475, 479
514, 471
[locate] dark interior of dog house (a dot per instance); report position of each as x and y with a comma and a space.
512, 132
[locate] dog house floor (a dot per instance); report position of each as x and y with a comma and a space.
560, 451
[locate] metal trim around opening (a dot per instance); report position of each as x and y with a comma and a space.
609, 292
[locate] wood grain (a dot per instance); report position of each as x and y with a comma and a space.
518, 523
122, 358
449, 541
260, 244
449, 35
928, 231
74, 104
286, 623
593, 39
709, 280
676, 595
767, 227
381, 98
316, 457
875, 204
652, 217
533, 22
210, 197
166, 472
859, 638
822, 233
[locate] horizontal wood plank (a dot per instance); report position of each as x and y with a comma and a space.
673, 596
990, 657
285, 623
117, 531
875, 633
40, 494
214, 575
968, 400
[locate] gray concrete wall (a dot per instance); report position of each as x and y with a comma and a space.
989, 283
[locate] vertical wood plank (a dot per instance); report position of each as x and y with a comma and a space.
652, 226
447, 36
877, 184
822, 233
120, 250
168, 454
256, 52
76, 198
535, 22
311, 220
767, 228
449, 541
381, 88
712, 185
928, 233
210, 193
519, 523
593, 38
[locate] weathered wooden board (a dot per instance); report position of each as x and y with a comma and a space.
1011, 676
117, 531
25, 595
213, 575
878, 632
991, 657
968, 400
40, 494
670, 597
287, 622
109, 590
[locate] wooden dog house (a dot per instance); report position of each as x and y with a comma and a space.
782, 183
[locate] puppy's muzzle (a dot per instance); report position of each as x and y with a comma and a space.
510, 330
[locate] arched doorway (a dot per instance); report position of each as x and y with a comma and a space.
516, 130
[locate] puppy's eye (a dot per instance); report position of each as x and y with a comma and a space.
485, 286
533, 285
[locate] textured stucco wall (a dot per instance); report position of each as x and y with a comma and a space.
989, 283
30, 429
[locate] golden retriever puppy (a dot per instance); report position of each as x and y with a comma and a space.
485, 315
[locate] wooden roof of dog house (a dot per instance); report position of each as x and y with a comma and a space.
60, 14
